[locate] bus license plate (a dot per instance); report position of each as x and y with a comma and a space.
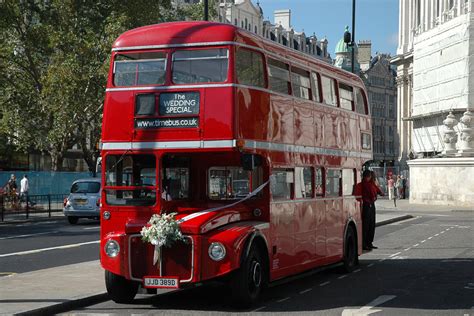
161, 283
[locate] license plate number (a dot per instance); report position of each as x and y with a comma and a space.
164, 283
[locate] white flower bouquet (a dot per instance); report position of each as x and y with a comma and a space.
162, 230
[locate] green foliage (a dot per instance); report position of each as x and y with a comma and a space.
195, 12
54, 61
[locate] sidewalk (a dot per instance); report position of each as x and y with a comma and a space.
385, 204
53, 290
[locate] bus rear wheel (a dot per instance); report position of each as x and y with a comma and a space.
351, 258
120, 289
248, 281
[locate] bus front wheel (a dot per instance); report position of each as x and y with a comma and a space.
249, 280
120, 289
351, 259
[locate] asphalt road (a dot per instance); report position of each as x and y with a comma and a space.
38, 245
424, 266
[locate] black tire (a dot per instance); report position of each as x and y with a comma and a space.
250, 279
72, 220
120, 289
351, 256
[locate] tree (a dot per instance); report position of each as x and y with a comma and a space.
54, 65
195, 12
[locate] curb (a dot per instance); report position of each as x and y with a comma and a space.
31, 220
67, 306
393, 220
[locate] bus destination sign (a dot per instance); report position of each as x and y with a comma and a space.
179, 103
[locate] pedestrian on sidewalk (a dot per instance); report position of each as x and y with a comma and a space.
24, 187
391, 187
403, 187
369, 191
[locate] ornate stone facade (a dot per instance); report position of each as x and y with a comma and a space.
245, 14
433, 72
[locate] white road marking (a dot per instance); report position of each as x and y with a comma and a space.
367, 309
436, 235
259, 309
306, 291
29, 235
382, 260
325, 283
342, 277
28, 252
406, 249
416, 245
283, 299
423, 241
370, 265
88, 228
395, 254
355, 271
430, 238
442, 232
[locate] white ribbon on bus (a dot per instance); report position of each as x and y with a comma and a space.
250, 195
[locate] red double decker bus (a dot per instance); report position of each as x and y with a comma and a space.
254, 145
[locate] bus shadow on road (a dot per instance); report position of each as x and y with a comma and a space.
419, 284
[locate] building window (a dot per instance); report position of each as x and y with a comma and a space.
319, 182
279, 76
235, 22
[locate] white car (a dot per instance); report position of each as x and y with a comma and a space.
84, 200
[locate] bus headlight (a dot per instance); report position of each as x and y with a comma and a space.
216, 251
112, 248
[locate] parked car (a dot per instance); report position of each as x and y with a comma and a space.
84, 200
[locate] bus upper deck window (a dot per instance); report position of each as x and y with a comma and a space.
135, 69
204, 65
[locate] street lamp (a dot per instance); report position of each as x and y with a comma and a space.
350, 40
206, 10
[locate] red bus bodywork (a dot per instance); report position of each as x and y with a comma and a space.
286, 131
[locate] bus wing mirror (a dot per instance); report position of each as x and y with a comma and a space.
250, 161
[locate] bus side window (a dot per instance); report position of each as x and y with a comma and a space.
278, 76
304, 182
281, 184
328, 86
348, 181
319, 181
249, 68
333, 183
346, 97
315, 87
301, 84
360, 102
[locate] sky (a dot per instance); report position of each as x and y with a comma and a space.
376, 20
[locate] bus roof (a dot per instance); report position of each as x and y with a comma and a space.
189, 32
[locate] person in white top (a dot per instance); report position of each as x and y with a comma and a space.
24, 187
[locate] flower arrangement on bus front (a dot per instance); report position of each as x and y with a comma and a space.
162, 230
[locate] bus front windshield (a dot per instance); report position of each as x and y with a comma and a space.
136, 174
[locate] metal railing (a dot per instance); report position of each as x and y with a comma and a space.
13, 206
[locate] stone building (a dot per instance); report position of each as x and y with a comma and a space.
434, 78
379, 78
245, 14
